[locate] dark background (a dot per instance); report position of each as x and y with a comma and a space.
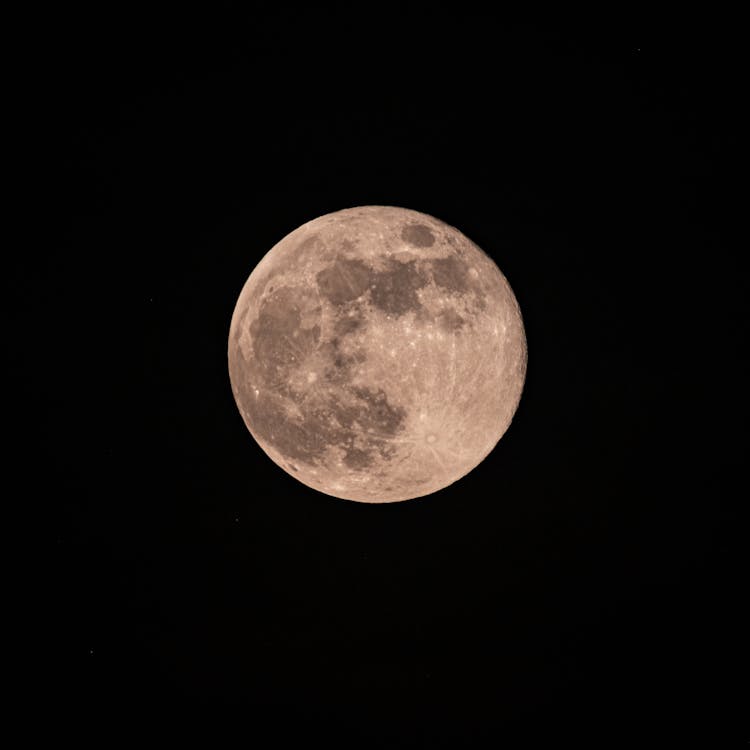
584, 579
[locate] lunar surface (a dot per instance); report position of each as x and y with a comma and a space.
376, 354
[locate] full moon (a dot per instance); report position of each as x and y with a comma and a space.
377, 354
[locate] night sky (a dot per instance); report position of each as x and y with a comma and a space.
583, 581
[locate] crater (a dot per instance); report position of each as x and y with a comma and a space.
418, 235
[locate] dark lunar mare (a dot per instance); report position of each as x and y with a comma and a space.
344, 280
417, 235
450, 274
279, 339
392, 290
358, 420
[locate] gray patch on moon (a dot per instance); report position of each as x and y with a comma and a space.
306, 426
279, 338
450, 274
449, 320
453, 276
356, 458
344, 280
418, 235
299, 439
340, 360
356, 420
373, 412
394, 290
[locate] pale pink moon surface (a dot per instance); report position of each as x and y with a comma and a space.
377, 354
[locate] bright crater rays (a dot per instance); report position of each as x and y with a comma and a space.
376, 354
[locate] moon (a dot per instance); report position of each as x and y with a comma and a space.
376, 354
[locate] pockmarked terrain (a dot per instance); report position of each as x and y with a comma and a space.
377, 354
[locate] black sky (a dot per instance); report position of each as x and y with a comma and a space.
583, 580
